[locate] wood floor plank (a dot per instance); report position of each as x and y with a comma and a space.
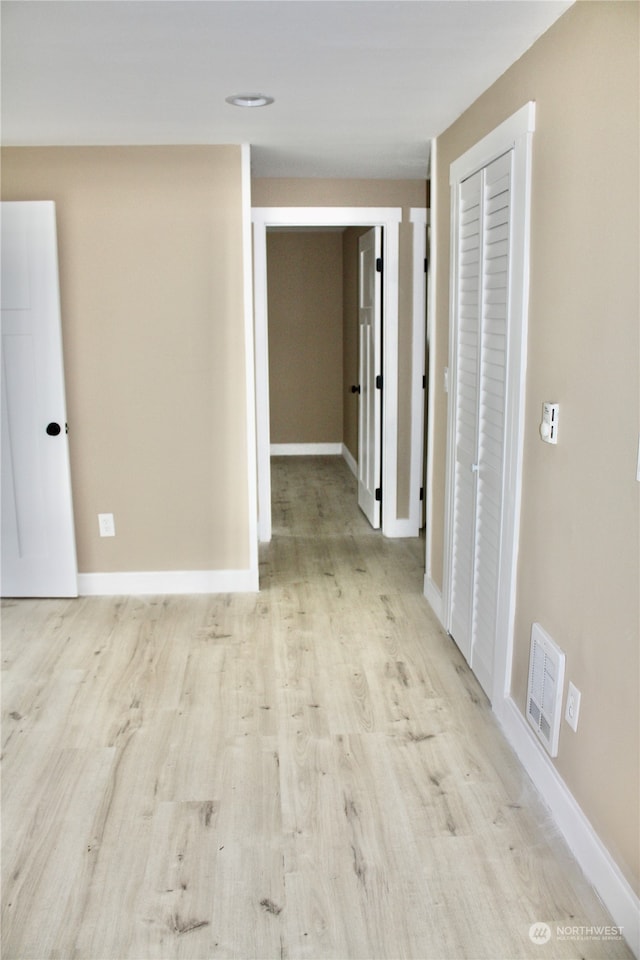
309, 772
46, 861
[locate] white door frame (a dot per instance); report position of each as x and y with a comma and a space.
515, 133
419, 218
389, 219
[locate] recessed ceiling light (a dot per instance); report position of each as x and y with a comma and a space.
249, 100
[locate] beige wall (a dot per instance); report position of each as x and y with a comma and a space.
579, 565
304, 279
274, 192
152, 310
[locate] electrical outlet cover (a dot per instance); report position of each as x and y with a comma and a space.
106, 525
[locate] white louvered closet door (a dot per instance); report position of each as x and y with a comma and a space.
481, 319
466, 411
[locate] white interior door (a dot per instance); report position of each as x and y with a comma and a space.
38, 540
370, 369
481, 320
490, 230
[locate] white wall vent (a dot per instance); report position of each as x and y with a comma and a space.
546, 682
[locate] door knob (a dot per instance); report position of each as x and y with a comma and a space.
53, 429
355, 388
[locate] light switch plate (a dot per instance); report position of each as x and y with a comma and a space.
572, 709
549, 425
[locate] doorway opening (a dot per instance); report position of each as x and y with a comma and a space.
388, 218
325, 349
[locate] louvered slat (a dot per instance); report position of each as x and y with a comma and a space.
491, 399
467, 298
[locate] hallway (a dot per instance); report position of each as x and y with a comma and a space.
310, 772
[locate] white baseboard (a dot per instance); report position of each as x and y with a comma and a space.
595, 860
306, 449
434, 598
137, 583
350, 460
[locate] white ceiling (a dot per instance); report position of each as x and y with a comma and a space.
360, 87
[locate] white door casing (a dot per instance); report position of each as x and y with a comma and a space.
487, 357
419, 219
38, 539
389, 219
370, 368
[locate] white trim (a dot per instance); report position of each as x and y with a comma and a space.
447, 559
515, 402
263, 429
249, 372
326, 216
402, 528
431, 378
390, 296
595, 860
306, 449
503, 138
434, 599
514, 134
389, 219
351, 461
418, 217
160, 582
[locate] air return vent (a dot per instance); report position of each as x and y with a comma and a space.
544, 696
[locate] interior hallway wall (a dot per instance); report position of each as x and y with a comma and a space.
151, 273
304, 279
579, 563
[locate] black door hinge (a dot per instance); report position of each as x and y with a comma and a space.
422, 493
378, 264
426, 264
379, 494
424, 381
379, 382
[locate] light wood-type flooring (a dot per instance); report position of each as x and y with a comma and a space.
307, 772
